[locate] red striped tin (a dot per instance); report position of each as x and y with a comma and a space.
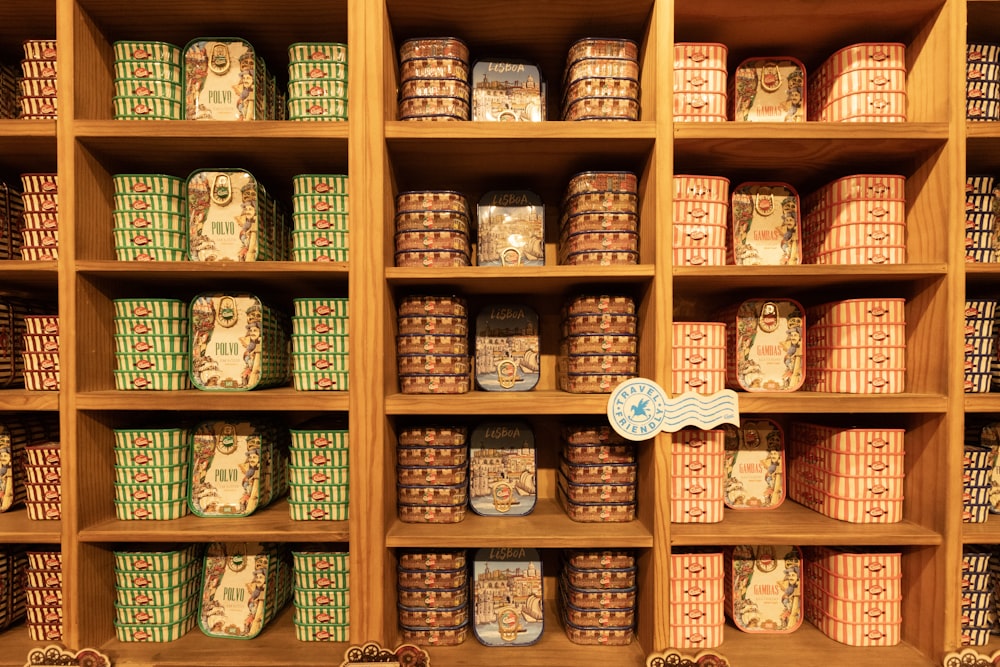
845, 509
845, 335
873, 79
858, 588
875, 487
849, 440
700, 590
862, 254
858, 312
695, 488
855, 72
882, 463
699, 357
693, 188
884, 107
859, 187
699, 107
699, 334
854, 381
700, 381
697, 613
699, 211
700, 510
696, 636
825, 216
700, 55
856, 358
696, 441
706, 256
700, 80
856, 634
859, 564
852, 611
698, 566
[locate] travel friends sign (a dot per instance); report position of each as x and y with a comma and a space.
638, 409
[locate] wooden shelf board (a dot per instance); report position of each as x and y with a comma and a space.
978, 274
796, 279
26, 145
271, 523
496, 280
799, 525
987, 532
23, 278
307, 278
982, 402
546, 527
16, 645
278, 398
15, 400
15, 526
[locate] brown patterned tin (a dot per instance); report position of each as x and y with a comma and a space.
770, 89
511, 229
432, 258
421, 201
431, 240
437, 88
598, 221
602, 108
433, 47
432, 220
434, 384
602, 257
434, 68
619, 68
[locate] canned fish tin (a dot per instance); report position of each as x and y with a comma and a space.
314, 70
37, 88
434, 384
601, 257
224, 77
446, 88
317, 89
429, 258
586, 242
432, 513
432, 221
39, 106
764, 588
602, 108
434, 68
151, 184
148, 69
434, 107
155, 51
317, 52
601, 87
159, 220
599, 47
133, 89
766, 224
599, 221
507, 90
39, 69
39, 49
424, 305
422, 201
433, 47
765, 345
431, 240
319, 184
769, 90
317, 108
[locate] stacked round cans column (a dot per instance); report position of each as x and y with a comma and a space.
856, 346
151, 473
697, 599
701, 213
317, 81
982, 81
432, 345
597, 475
699, 358
853, 597
860, 83
700, 82
434, 79
11, 222
433, 597
980, 316
15, 435
13, 593
149, 81
597, 596
319, 218
45, 615
697, 476
599, 338
40, 233
318, 474
321, 595
977, 468
319, 344
600, 219
151, 344
37, 86
853, 475
977, 611
41, 352
43, 470
980, 217
432, 229
150, 217
858, 219
432, 474
156, 593
601, 80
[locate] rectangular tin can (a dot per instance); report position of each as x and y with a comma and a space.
765, 224
507, 348
224, 80
755, 464
507, 596
764, 588
507, 90
765, 345
769, 90
511, 229
502, 469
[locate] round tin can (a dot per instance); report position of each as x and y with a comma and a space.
433, 68
433, 47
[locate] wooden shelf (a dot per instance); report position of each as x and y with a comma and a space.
278, 398
15, 526
493, 280
987, 532
13, 400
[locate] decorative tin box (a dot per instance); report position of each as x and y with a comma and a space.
502, 469
769, 90
764, 223
587, 574
697, 614
697, 476
700, 82
507, 91
225, 79
699, 357
434, 79
507, 596
863, 82
765, 345
700, 217
511, 229
243, 587
764, 588
755, 464
507, 348
433, 596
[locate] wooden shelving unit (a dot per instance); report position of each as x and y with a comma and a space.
384, 156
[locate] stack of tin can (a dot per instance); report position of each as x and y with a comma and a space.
977, 610
151, 344
432, 474
41, 353
156, 593
263, 569
37, 86
856, 346
601, 80
597, 475
319, 344
697, 599
858, 219
701, 213
13, 327
860, 83
15, 435
432, 229
318, 474
44, 571
700, 82
699, 358
40, 233
849, 474
980, 217
149, 81
599, 343
10, 106
600, 219
697, 476
321, 595
317, 81
980, 316
854, 597
11, 222
43, 470
433, 597
434, 79
319, 218
13, 594
597, 596
978, 461
982, 81
151, 473
150, 217
432, 345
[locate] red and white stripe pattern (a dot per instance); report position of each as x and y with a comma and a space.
697, 476
861, 82
697, 614
700, 82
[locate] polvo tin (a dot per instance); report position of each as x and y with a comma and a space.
225, 218
227, 465
221, 78
506, 91
507, 597
769, 90
511, 229
765, 345
765, 591
507, 348
754, 464
766, 224
502, 469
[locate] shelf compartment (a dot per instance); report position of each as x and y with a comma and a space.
16, 527
799, 525
546, 527
266, 400
271, 523
26, 145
